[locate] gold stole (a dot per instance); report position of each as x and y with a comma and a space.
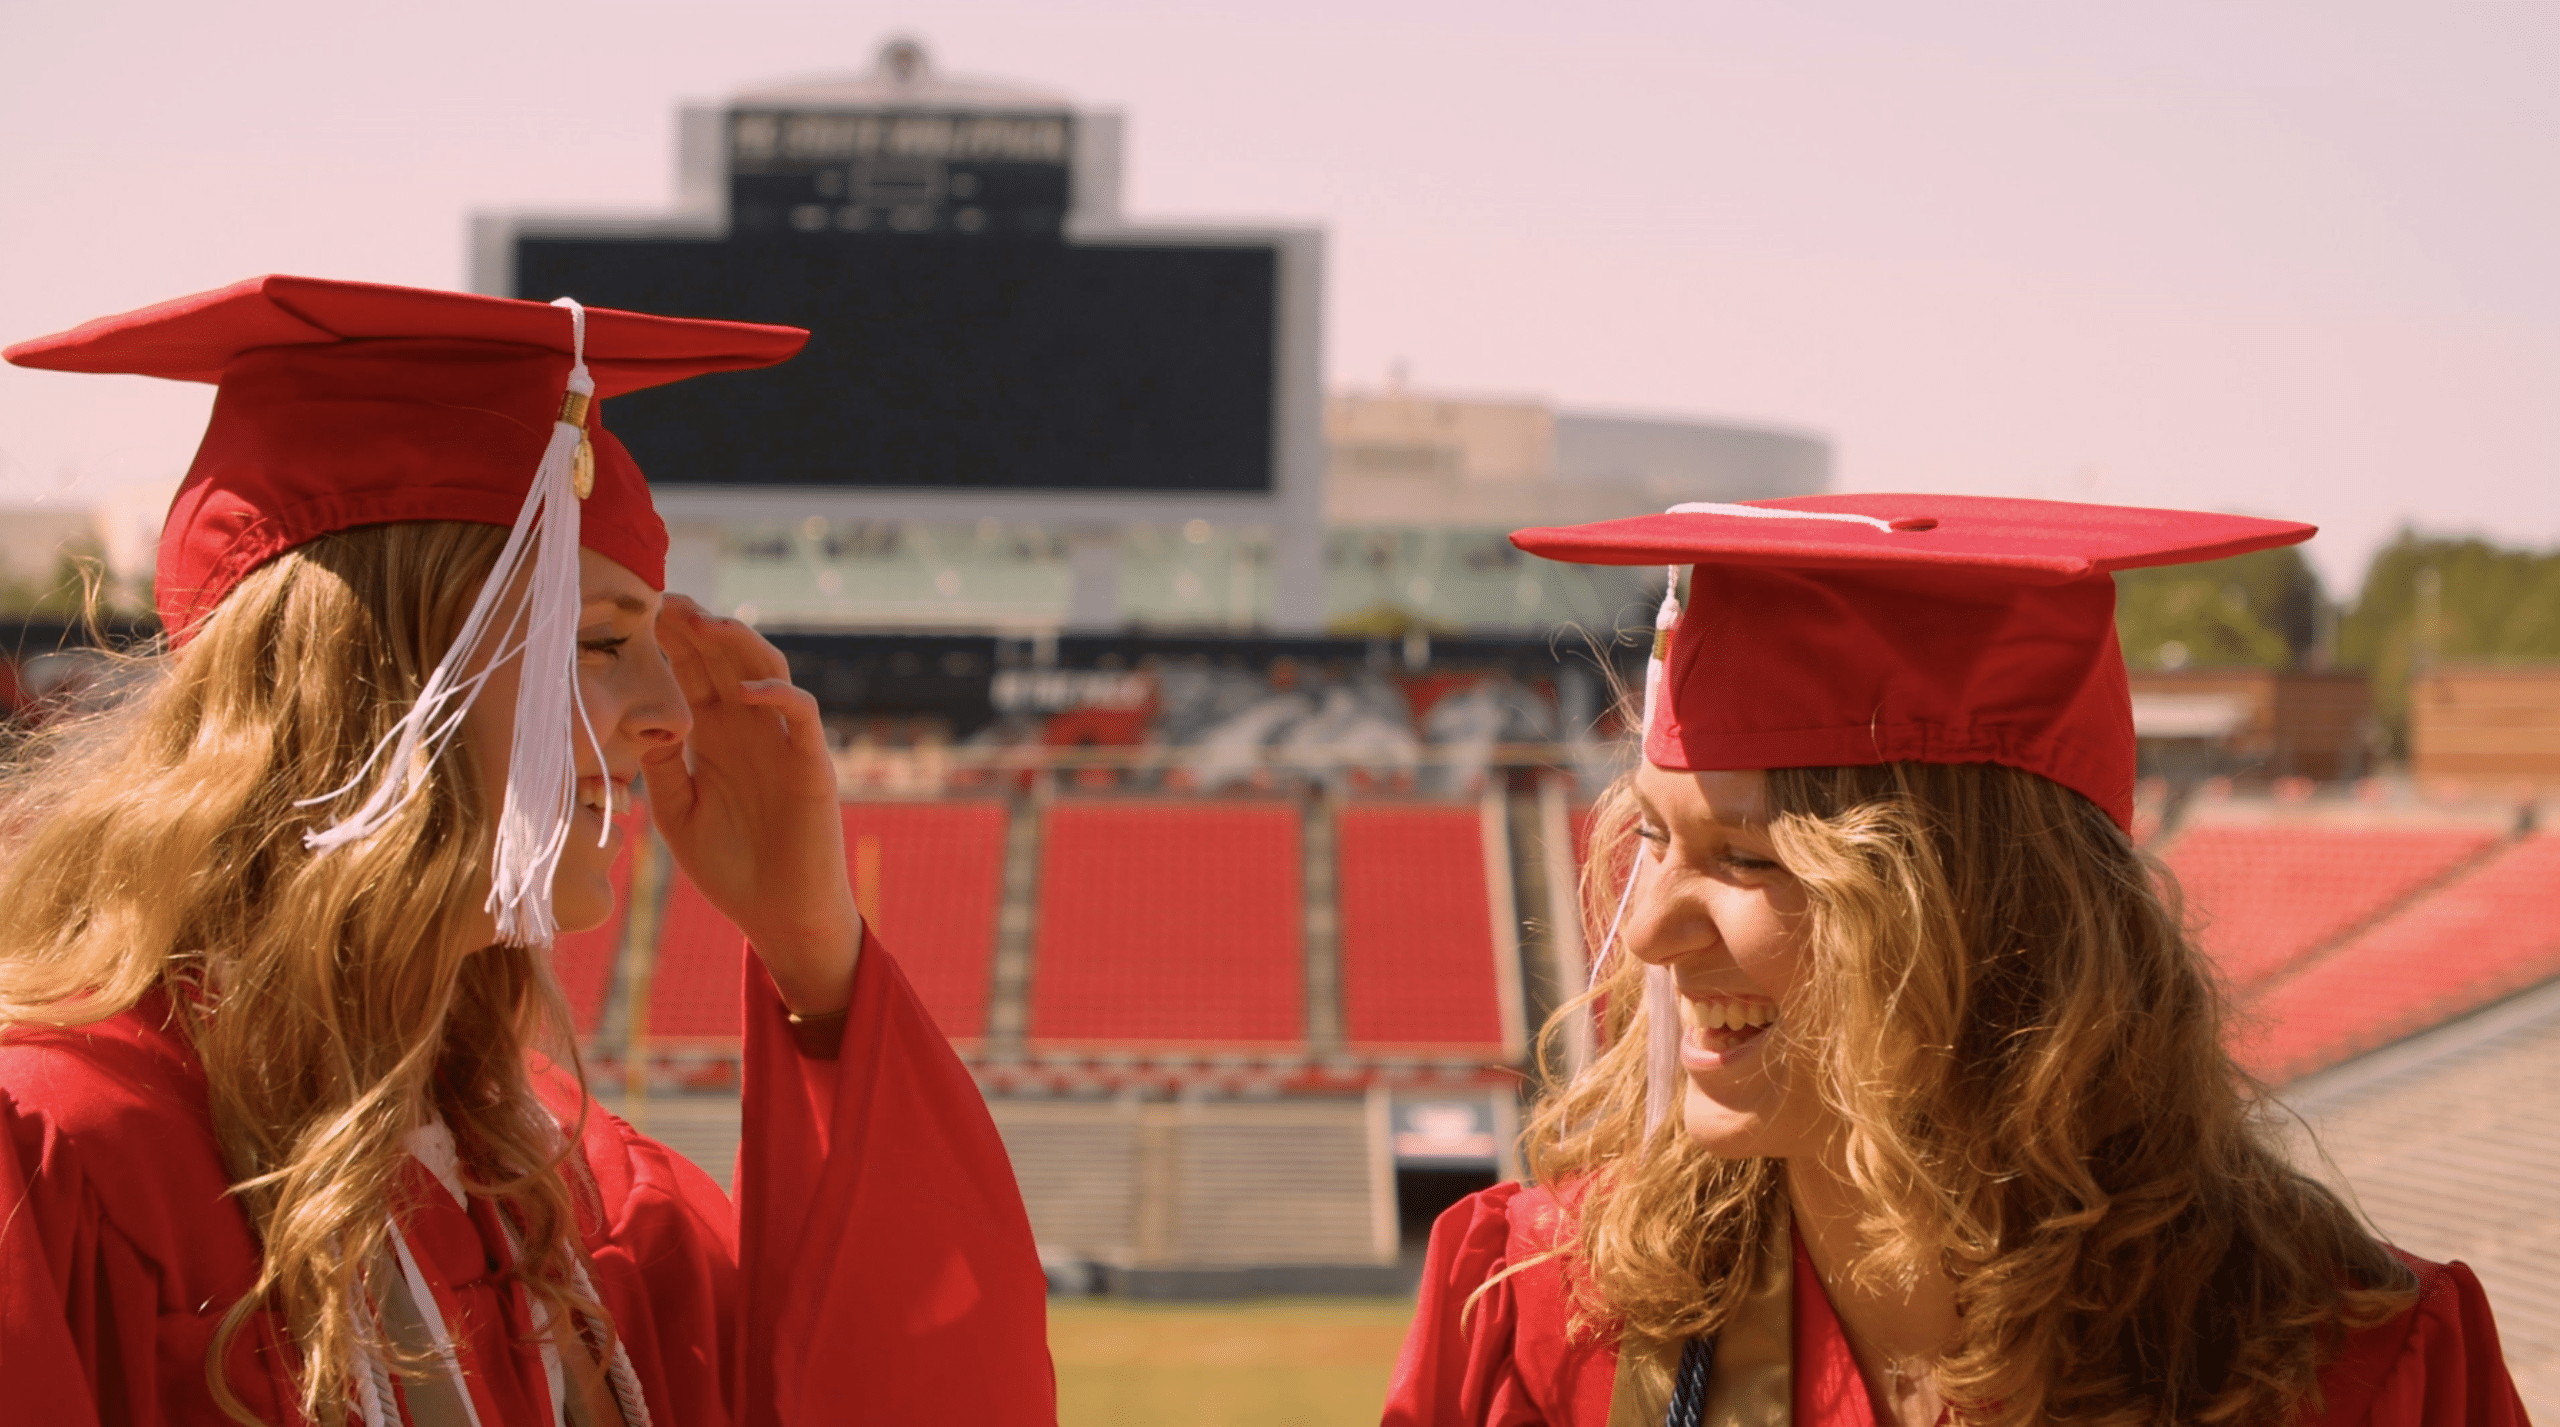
1753, 1381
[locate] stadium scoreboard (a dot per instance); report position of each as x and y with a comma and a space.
994, 174
955, 364
965, 335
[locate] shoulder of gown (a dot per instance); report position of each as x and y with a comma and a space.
119, 1250
2438, 1361
1493, 1342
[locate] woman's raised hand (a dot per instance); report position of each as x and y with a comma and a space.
748, 806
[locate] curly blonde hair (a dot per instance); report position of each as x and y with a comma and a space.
2025, 1051
158, 845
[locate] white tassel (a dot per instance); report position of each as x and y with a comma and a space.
1665, 619
1662, 1078
1663, 1029
541, 552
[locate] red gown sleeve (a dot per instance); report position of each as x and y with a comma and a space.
2437, 1364
886, 1262
1510, 1358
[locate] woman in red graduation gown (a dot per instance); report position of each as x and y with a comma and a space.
278, 1139
1913, 1105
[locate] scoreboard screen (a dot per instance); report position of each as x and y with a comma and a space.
992, 174
993, 364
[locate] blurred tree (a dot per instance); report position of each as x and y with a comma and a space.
2256, 611
2488, 605
79, 577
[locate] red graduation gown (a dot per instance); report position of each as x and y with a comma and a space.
876, 1265
1508, 1361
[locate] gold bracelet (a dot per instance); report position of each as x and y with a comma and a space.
819, 1037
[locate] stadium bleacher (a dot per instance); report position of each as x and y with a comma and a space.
930, 876
927, 875
1421, 966
2263, 896
693, 982
2487, 933
1170, 923
1174, 930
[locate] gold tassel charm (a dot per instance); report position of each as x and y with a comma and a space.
574, 406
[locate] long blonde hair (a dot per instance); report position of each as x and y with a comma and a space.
2025, 1052
332, 998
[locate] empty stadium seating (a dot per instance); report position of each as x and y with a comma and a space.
2484, 935
934, 891
930, 876
693, 985
1132, 1182
1170, 923
1418, 952
1272, 1183
2263, 896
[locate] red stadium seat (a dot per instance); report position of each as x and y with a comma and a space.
1165, 923
693, 986
1418, 955
2489, 933
937, 879
939, 884
2263, 897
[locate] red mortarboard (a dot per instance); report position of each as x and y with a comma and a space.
344, 404
1863, 629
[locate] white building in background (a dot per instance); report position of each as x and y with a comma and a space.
1422, 491
1410, 458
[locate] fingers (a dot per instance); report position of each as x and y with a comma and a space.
676, 623
732, 647
798, 707
670, 784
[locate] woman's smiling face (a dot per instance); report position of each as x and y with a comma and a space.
1713, 904
631, 701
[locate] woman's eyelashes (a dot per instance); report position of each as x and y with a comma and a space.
606, 648
1720, 854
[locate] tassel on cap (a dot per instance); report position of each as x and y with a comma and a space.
1661, 989
540, 558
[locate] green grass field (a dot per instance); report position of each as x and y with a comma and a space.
1274, 1363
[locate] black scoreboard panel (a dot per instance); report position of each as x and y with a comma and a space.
980, 365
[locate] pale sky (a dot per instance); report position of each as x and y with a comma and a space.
2291, 258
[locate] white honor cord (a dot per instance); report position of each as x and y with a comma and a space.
377, 1404
618, 1371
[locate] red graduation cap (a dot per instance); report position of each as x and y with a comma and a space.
344, 404
1865, 629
